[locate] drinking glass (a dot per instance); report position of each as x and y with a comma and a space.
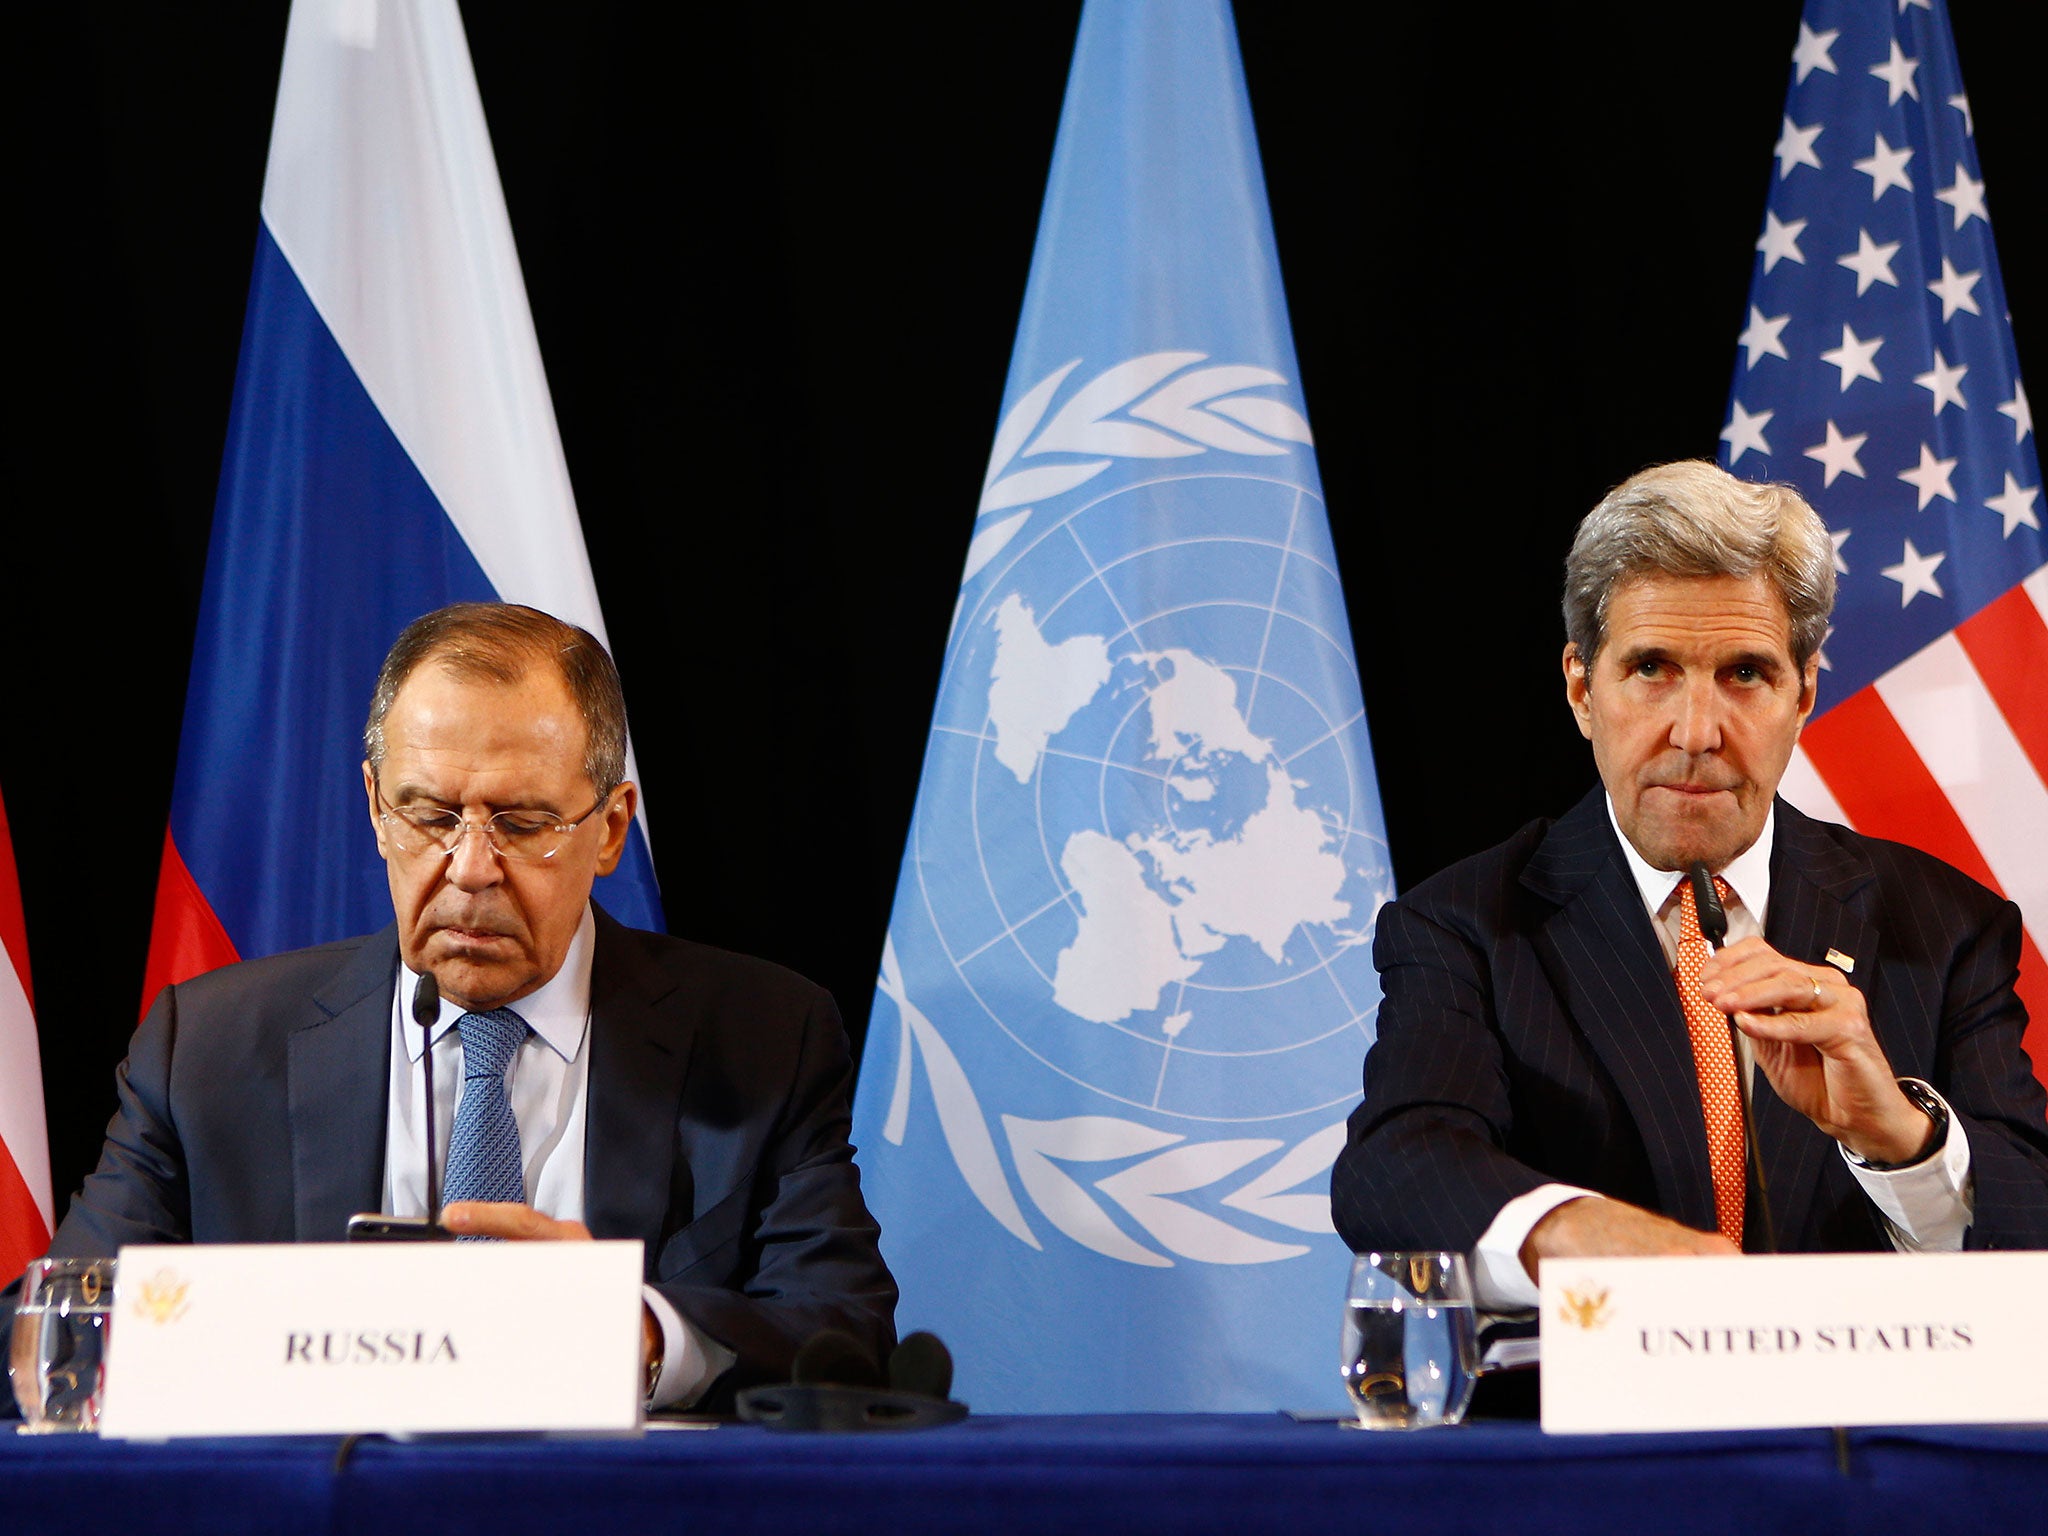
1410, 1348
59, 1343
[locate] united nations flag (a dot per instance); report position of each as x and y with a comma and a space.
1128, 981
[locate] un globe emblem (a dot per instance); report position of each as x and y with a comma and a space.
1132, 940
1159, 871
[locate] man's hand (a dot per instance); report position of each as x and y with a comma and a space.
514, 1223
523, 1224
1812, 1037
1590, 1227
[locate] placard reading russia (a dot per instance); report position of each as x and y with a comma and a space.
326, 1338
1782, 1341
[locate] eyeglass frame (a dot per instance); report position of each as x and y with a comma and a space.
464, 826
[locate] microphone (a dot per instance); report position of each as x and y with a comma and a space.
1714, 929
1713, 916
375, 1226
426, 1010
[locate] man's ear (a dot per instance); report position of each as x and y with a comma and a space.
618, 820
376, 821
1577, 689
1809, 688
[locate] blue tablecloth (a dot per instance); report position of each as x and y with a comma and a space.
1124, 1476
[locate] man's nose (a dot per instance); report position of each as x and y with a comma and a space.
474, 865
1696, 727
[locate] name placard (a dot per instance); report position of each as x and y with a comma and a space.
1791, 1340
334, 1338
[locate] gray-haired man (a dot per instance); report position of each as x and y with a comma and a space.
1552, 1076
623, 1084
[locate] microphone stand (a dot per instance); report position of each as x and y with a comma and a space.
1714, 929
426, 1012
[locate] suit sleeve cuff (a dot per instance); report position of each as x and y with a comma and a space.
1500, 1283
689, 1361
1927, 1206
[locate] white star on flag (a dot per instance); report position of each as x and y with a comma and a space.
1954, 290
1838, 457
1838, 537
1871, 262
1780, 240
1811, 52
2021, 413
1915, 574
1897, 72
1930, 477
1962, 104
1886, 167
1762, 336
1795, 147
1853, 357
1745, 432
2016, 504
1945, 382
1966, 197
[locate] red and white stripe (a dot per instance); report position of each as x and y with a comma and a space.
25, 1223
1948, 751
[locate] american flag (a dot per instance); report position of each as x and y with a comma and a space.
1877, 373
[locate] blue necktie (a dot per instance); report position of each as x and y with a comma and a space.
484, 1161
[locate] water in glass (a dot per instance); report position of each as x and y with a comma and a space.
56, 1353
1409, 1353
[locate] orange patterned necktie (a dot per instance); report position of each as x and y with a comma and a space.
1713, 1054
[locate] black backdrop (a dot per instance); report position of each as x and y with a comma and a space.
775, 254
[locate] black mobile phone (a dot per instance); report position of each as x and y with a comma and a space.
372, 1227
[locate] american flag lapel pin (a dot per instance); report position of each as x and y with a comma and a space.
1841, 962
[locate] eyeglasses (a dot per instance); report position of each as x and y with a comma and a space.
511, 834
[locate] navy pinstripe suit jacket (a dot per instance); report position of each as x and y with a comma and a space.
1531, 1033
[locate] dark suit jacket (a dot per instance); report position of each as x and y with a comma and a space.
1531, 1033
253, 1105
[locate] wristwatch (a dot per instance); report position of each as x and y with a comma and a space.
1928, 1102
654, 1359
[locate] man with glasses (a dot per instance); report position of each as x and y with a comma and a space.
612, 1082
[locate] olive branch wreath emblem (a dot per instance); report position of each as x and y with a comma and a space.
1163, 405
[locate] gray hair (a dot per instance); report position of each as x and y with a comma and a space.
1693, 518
498, 643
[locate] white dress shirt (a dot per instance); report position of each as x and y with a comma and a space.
546, 1083
1926, 1207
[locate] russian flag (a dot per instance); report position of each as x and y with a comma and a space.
391, 448
24, 1143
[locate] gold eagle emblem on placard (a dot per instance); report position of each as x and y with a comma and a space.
162, 1297
1584, 1309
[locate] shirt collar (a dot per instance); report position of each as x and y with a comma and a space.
559, 1012
1748, 874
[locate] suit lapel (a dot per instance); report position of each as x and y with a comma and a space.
338, 1090
1611, 977
1814, 907
638, 1057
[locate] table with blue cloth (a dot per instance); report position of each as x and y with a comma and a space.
1125, 1475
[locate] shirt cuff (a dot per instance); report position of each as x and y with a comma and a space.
1500, 1281
1929, 1205
689, 1361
